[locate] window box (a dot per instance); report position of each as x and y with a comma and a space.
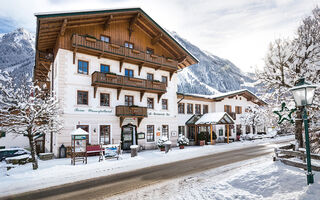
115, 46
153, 56
135, 51
170, 60
91, 39
135, 79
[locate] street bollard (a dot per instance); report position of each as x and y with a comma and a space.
134, 150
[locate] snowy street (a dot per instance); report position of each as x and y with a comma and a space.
253, 179
148, 168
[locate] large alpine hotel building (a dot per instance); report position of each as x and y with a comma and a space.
115, 75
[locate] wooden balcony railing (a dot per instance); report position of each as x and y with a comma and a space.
95, 45
124, 82
131, 111
232, 115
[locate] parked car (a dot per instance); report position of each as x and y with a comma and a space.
12, 152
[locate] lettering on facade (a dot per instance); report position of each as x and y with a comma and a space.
158, 114
98, 111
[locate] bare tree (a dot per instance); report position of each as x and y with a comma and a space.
27, 110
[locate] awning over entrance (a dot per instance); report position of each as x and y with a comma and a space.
216, 118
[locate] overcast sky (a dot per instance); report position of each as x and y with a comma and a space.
238, 30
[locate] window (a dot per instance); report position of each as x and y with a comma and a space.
165, 131
149, 77
129, 72
181, 130
83, 67
190, 108
129, 100
164, 104
105, 134
150, 103
85, 128
227, 108
181, 108
247, 129
150, 133
198, 109
82, 97
238, 109
104, 68
104, 99
205, 109
128, 45
164, 79
105, 38
150, 51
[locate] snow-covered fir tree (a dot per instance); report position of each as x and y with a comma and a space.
287, 61
27, 110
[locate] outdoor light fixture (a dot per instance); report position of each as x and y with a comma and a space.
303, 94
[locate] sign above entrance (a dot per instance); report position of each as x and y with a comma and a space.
93, 111
132, 121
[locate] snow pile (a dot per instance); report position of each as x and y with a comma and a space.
259, 178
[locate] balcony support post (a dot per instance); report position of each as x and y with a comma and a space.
171, 74
121, 121
140, 67
74, 55
140, 120
141, 95
94, 91
121, 64
118, 93
159, 96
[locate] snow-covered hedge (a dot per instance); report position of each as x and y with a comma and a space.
182, 140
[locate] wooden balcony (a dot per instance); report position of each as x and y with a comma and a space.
120, 82
116, 51
131, 111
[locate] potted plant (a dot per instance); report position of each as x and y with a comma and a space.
160, 143
182, 141
202, 138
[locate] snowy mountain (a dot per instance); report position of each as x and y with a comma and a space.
17, 53
212, 74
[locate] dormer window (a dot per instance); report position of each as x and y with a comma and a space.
128, 45
150, 51
105, 38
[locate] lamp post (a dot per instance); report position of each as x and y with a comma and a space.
303, 94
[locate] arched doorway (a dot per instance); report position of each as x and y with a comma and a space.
128, 135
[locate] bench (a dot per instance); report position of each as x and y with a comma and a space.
93, 150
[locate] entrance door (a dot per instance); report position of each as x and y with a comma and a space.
127, 136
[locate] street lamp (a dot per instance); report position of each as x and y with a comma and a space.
303, 94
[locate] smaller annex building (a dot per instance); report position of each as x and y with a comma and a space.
218, 113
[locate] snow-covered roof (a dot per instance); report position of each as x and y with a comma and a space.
79, 131
215, 118
223, 95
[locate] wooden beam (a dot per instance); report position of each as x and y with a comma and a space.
63, 27
159, 96
171, 74
156, 39
211, 134
132, 23
74, 55
182, 59
107, 22
140, 120
43, 65
121, 121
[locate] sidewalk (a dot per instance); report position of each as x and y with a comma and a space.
59, 171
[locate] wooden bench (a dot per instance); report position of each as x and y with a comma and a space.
93, 150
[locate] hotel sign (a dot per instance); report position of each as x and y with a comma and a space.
93, 111
158, 114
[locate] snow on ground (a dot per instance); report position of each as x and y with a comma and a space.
60, 171
254, 179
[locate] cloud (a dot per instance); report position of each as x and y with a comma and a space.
237, 30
